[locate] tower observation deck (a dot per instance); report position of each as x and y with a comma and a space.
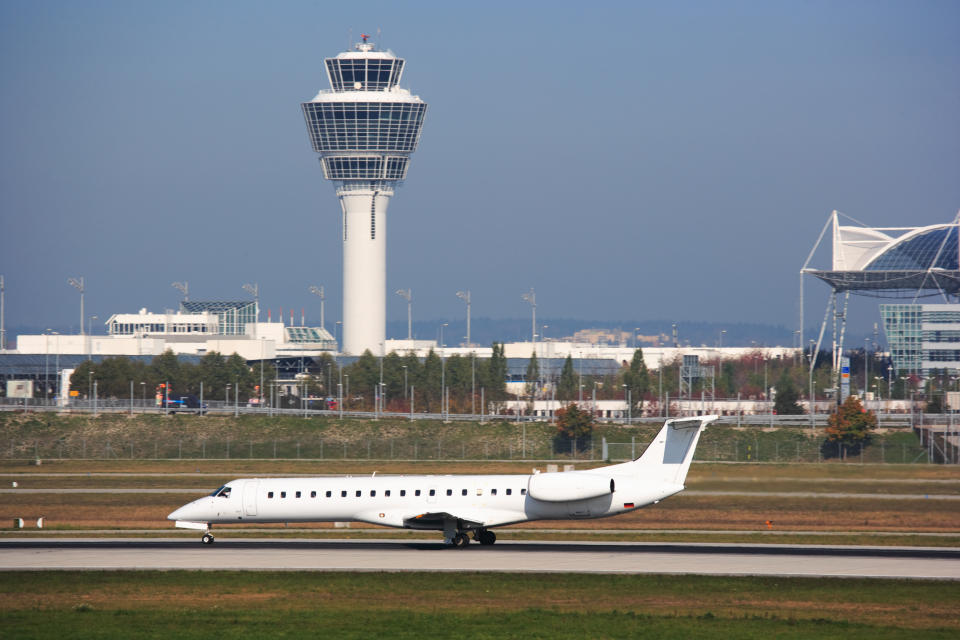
364, 128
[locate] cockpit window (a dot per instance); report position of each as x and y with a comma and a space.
222, 492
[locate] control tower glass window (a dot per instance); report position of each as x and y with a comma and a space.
363, 74
364, 126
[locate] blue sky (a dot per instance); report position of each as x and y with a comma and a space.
634, 160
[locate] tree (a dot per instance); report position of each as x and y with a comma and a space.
567, 387
849, 429
637, 378
574, 428
497, 373
785, 404
533, 374
429, 387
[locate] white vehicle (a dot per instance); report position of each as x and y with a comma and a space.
457, 505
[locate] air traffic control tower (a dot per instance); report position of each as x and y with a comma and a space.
364, 129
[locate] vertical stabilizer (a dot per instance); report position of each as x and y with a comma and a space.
667, 459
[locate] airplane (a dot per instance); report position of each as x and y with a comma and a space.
457, 505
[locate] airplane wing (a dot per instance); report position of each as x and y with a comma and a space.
434, 520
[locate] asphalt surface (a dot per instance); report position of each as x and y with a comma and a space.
507, 556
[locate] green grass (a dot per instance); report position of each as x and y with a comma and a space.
148, 436
413, 605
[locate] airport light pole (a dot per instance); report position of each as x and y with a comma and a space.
531, 297
866, 364
254, 290
46, 366
407, 294
90, 338
77, 283
184, 288
443, 376
465, 296
57, 362
3, 326
318, 291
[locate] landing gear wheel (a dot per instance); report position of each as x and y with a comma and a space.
461, 540
207, 539
486, 537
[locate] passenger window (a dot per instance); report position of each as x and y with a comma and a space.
387, 493
523, 492
283, 494
493, 492
509, 492
417, 492
343, 494
329, 493
313, 494
463, 492
403, 492
433, 492
373, 494
298, 494
449, 492
479, 492
358, 493
269, 494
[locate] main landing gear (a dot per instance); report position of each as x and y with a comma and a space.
485, 536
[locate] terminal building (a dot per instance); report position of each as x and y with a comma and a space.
197, 328
908, 263
923, 338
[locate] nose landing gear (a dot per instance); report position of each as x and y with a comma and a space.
207, 538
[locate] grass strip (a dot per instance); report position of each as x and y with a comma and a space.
184, 604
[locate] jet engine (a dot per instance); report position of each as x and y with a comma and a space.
567, 487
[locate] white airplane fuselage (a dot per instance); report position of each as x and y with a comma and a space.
455, 504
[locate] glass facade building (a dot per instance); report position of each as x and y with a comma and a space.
922, 338
232, 317
933, 248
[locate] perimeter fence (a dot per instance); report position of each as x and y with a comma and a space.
717, 445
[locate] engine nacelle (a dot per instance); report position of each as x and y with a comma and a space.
567, 487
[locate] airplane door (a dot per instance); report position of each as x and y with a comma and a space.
250, 497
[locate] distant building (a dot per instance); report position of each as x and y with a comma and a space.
923, 338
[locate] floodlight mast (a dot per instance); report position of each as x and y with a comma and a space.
407, 295
365, 128
531, 297
3, 327
254, 290
465, 296
318, 291
184, 288
77, 283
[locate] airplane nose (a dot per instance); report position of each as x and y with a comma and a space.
176, 515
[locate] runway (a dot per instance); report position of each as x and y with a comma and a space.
507, 556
